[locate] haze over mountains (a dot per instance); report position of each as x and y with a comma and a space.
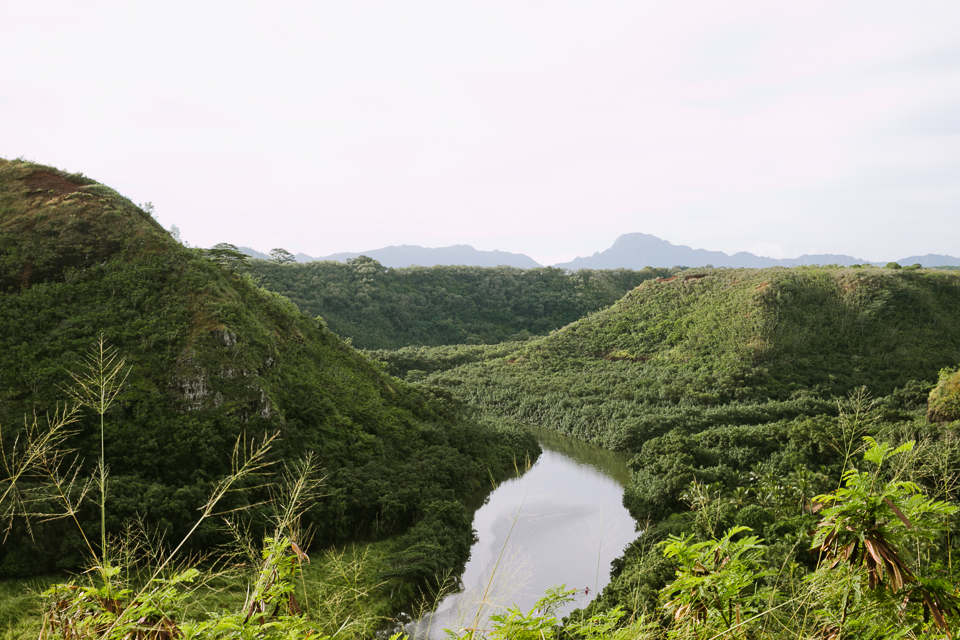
406, 255
638, 250
629, 251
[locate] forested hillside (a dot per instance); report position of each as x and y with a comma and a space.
713, 347
745, 393
380, 308
212, 357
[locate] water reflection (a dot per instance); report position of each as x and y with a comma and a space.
610, 463
562, 522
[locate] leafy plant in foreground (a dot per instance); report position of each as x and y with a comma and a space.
882, 532
541, 623
717, 590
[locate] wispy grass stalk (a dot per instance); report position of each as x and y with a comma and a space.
97, 386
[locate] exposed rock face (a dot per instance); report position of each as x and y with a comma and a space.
193, 390
944, 403
226, 338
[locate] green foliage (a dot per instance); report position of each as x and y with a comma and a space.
270, 610
121, 604
381, 308
883, 541
54, 224
438, 542
96, 387
716, 589
538, 624
282, 256
541, 623
725, 382
726, 385
884, 532
212, 358
227, 256
712, 348
112, 610
161, 607
770, 463
944, 401
415, 363
20, 608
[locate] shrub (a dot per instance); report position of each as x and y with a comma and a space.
944, 402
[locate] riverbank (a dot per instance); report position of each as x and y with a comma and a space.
560, 522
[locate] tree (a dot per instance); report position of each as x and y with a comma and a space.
282, 256
227, 255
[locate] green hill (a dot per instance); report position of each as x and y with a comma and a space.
381, 308
713, 347
212, 357
740, 392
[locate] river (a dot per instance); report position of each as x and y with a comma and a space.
561, 522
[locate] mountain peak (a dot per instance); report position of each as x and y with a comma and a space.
639, 250
52, 221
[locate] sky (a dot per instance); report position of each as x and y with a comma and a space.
540, 127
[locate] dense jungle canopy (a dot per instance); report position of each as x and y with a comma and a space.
775, 415
212, 357
381, 308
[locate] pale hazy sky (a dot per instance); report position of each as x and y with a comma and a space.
547, 128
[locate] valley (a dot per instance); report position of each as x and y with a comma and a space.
756, 420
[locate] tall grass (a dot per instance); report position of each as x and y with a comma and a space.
96, 387
138, 585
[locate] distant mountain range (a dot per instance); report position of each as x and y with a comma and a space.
638, 250
407, 255
259, 255
629, 251
931, 260
412, 255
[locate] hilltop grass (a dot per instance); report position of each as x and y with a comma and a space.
52, 222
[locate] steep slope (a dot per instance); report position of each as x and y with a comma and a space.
714, 347
212, 357
381, 308
52, 223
